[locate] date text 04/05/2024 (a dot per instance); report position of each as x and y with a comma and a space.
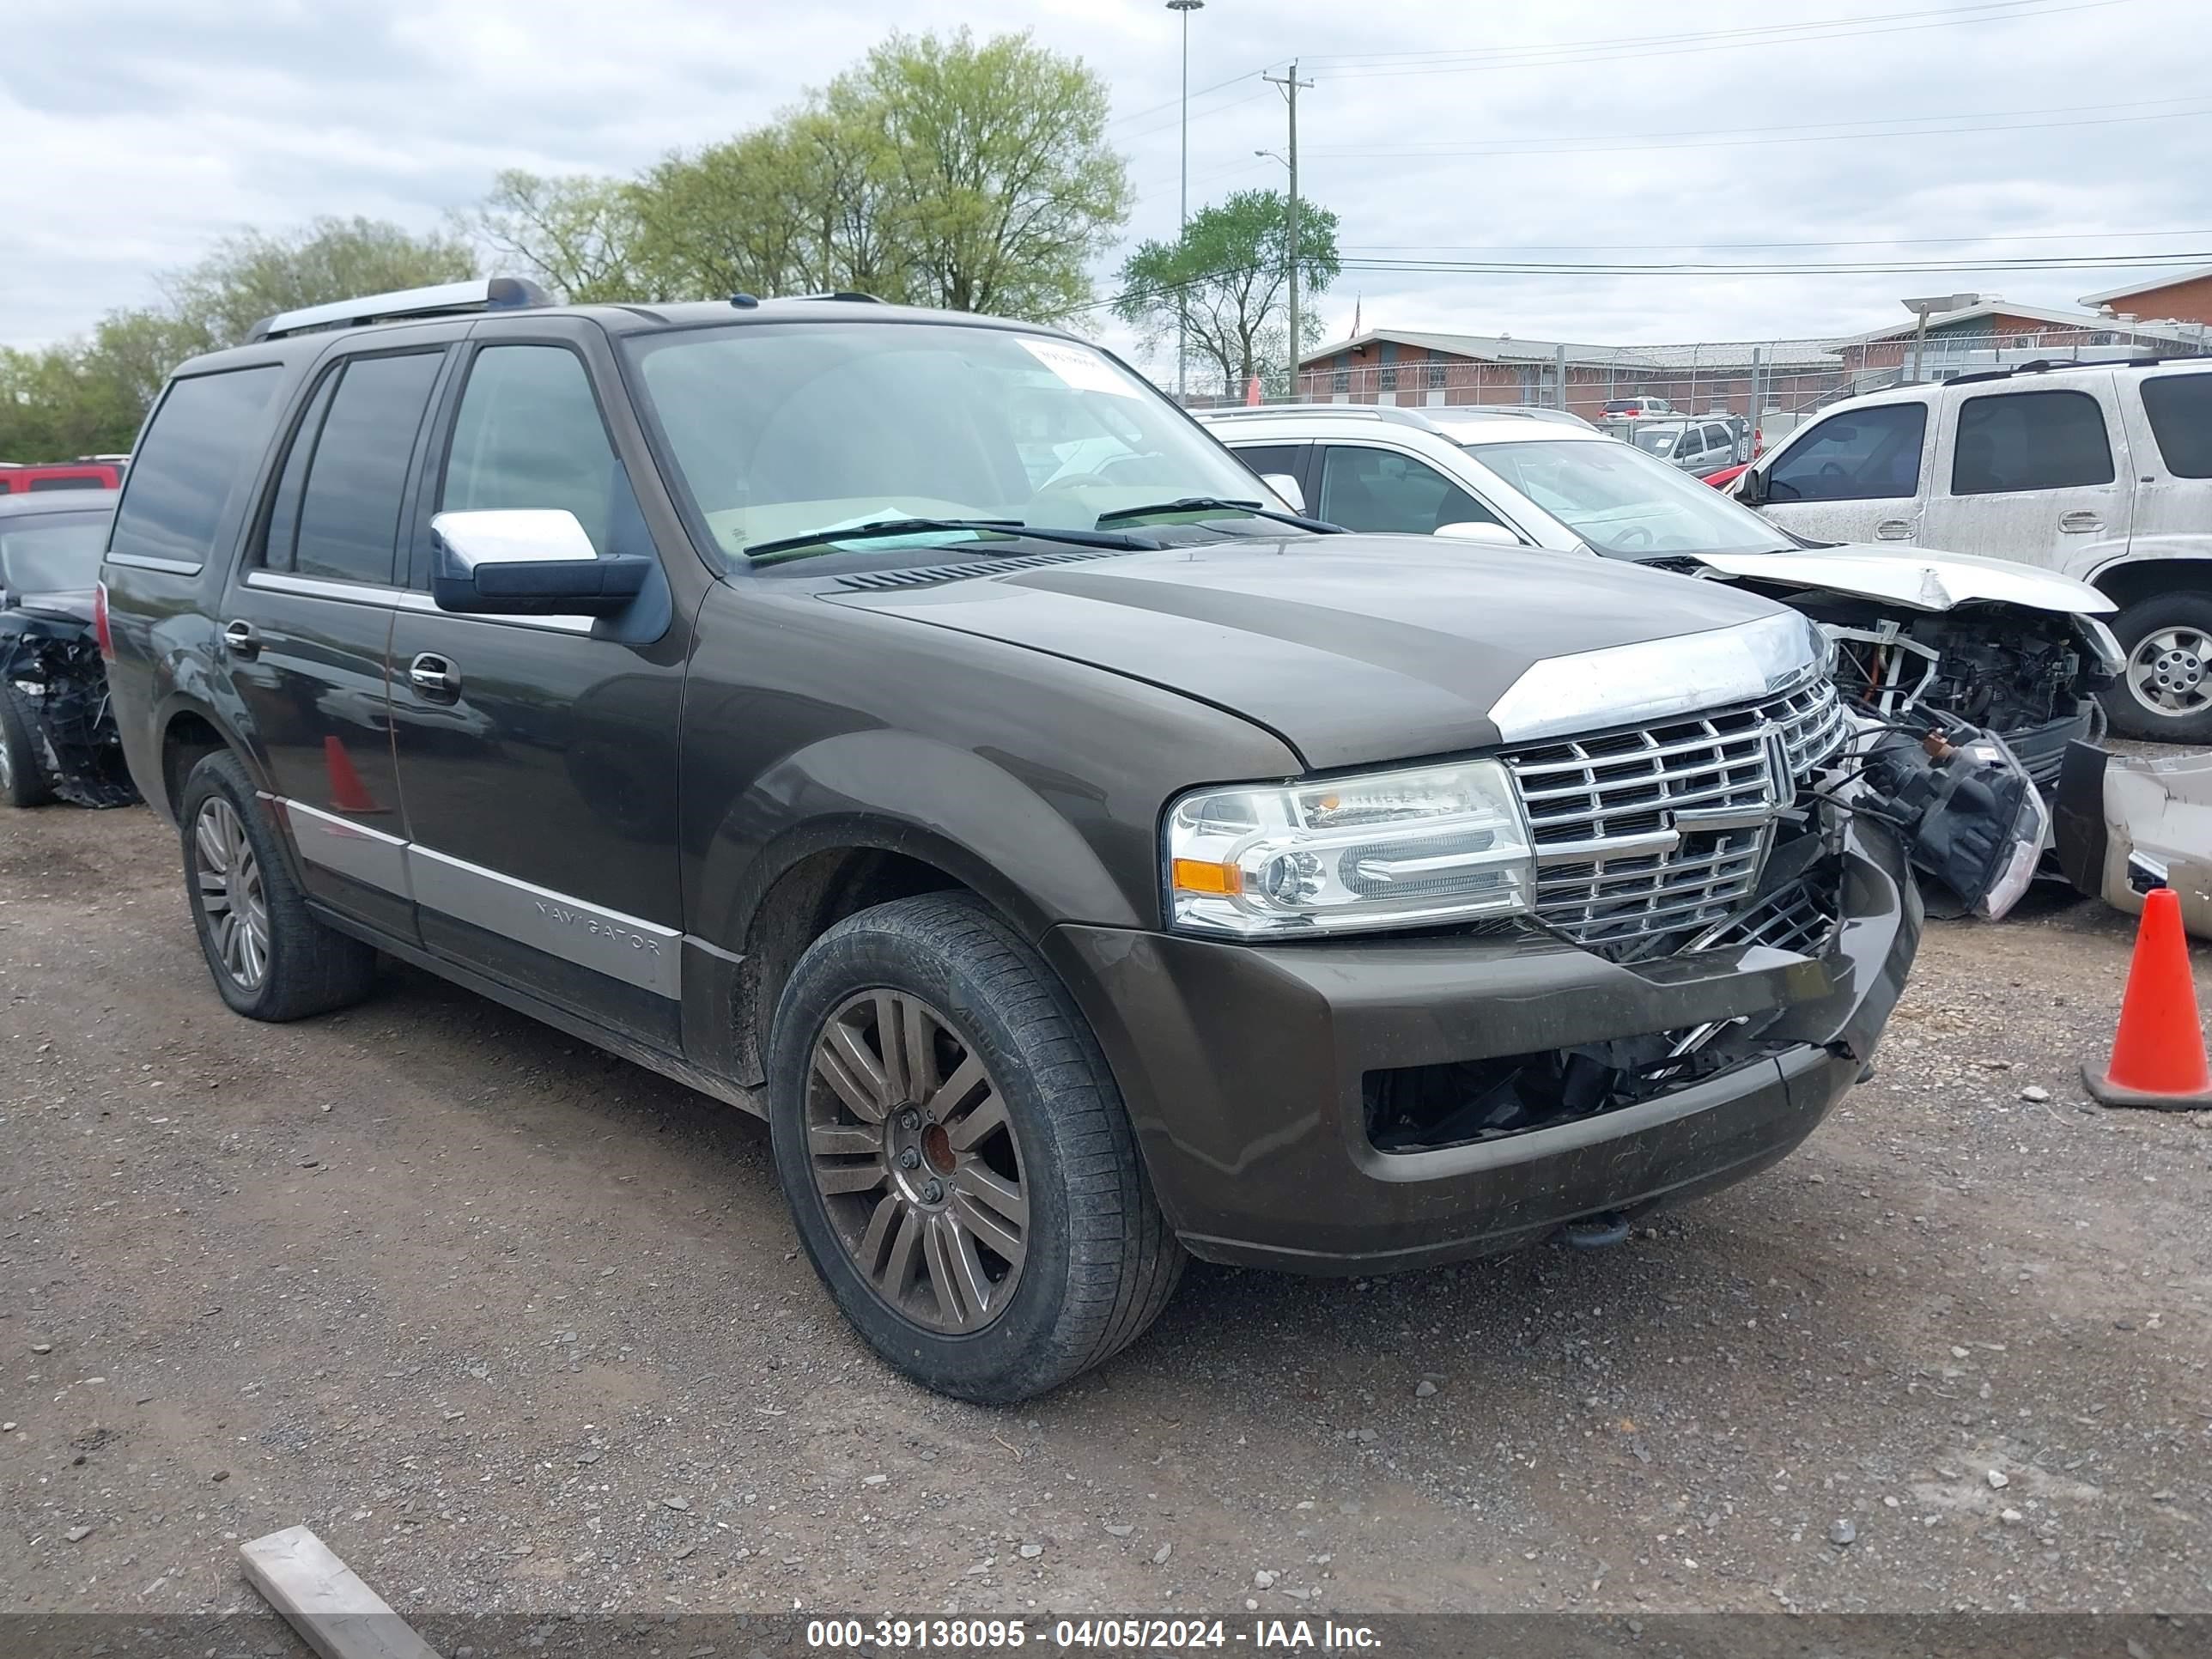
1111, 1634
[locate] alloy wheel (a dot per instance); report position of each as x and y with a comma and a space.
231, 897
7, 764
2168, 671
916, 1161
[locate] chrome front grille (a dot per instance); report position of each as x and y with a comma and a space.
1801, 917
1661, 830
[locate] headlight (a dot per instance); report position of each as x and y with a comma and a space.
1823, 648
1393, 849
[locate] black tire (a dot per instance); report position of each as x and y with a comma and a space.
306, 968
23, 781
2167, 696
1099, 1261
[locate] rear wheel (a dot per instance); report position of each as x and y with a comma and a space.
23, 773
2165, 692
270, 958
957, 1157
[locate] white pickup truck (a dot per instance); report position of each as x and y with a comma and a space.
2100, 472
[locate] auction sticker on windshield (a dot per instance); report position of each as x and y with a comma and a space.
1080, 367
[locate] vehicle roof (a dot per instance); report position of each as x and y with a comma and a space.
621, 319
1460, 423
57, 501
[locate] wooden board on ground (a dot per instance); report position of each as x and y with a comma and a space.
325, 1600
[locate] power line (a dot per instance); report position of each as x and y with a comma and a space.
1653, 247
1677, 37
1558, 56
1713, 268
1354, 154
1791, 131
1700, 268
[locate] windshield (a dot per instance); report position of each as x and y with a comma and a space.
783, 433
1657, 440
51, 553
1623, 503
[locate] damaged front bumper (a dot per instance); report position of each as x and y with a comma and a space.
49, 665
2127, 824
1317, 1106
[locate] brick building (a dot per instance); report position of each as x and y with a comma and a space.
2187, 298
1417, 368
1981, 335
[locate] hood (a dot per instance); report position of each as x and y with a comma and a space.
1910, 577
1359, 649
75, 603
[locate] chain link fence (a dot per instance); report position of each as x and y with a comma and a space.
1776, 383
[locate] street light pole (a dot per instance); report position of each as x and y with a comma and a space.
1182, 221
1920, 308
1290, 83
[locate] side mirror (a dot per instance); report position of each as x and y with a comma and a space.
528, 562
1476, 529
1287, 487
1750, 489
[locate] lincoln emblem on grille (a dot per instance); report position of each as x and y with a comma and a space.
1777, 790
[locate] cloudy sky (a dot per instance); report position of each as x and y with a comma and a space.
1879, 132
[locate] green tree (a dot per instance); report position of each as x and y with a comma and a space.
1225, 279
248, 276
578, 234
88, 395
999, 189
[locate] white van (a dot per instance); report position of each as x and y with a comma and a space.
2100, 472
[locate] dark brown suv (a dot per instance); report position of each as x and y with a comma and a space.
913, 728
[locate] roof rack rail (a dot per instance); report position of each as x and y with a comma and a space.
2052, 364
1388, 412
851, 295
444, 299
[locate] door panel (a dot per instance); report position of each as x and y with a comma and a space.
307, 627
1854, 476
2169, 422
538, 762
2040, 475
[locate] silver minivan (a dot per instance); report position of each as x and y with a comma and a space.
2100, 472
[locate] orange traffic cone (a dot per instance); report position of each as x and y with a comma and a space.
348, 793
2158, 1057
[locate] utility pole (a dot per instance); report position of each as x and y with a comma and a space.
1182, 220
1290, 83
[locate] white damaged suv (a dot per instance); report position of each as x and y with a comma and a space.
2101, 471
1997, 645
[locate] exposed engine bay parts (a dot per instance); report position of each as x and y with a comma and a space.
58, 736
1972, 823
2031, 676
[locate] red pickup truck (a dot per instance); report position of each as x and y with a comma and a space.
20, 480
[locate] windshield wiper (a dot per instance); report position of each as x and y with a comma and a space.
1220, 504
1013, 527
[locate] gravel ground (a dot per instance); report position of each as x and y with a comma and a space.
515, 1326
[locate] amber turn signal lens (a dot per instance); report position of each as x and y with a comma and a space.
1197, 876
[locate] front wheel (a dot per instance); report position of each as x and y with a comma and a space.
2165, 692
957, 1157
24, 780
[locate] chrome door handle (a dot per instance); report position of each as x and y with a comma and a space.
1894, 530
2080, 523
240, 639
433, 676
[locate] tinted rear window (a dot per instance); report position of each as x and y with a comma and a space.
193, 461
2180, 410
2030, 440
350, 513
71, 481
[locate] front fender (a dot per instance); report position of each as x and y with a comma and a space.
900, 791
